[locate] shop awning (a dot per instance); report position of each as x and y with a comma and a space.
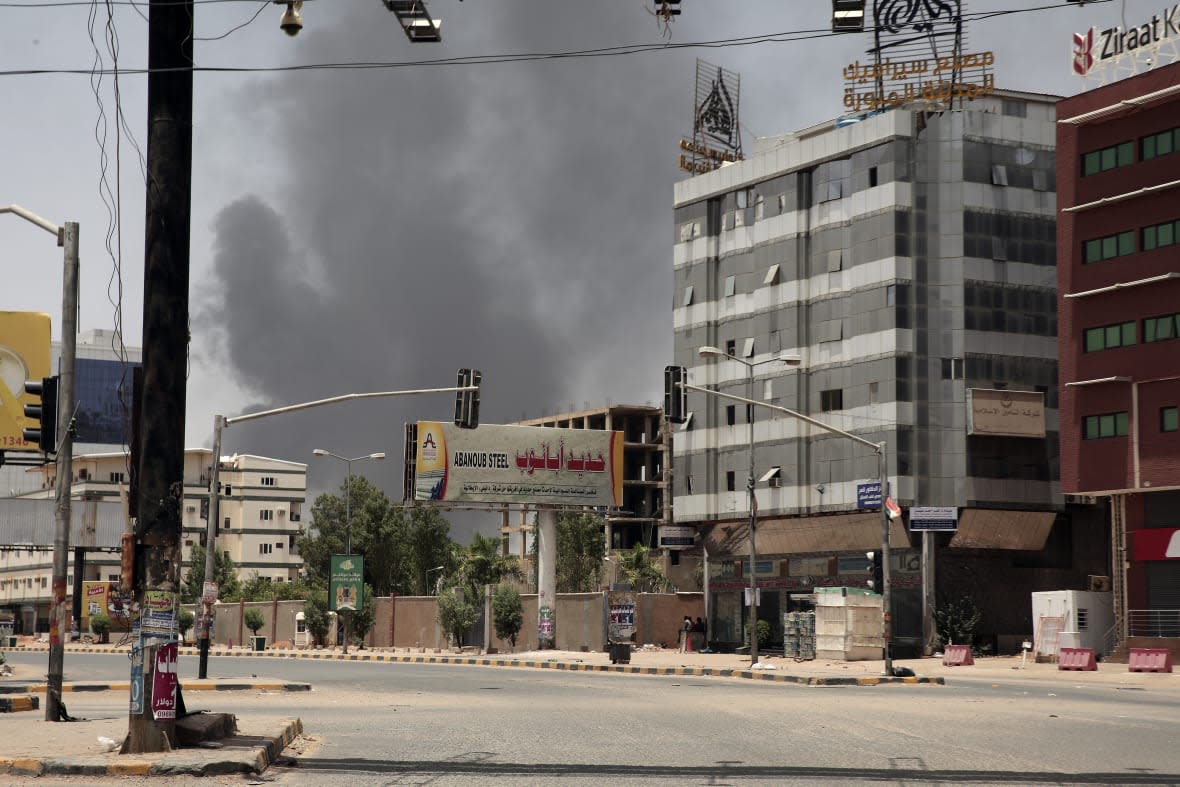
981, 528
807, 535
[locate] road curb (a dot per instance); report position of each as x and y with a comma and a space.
125, 685
19, 703
178, 763
485, 661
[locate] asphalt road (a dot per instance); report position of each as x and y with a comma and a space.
372, 724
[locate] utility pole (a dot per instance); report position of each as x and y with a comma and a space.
165, 349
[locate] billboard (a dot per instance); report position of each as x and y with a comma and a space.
24, 355
518, 464
346, 583
1005, 413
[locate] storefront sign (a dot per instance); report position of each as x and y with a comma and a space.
1157, 543
942, 518
1005, 413
1119, 46
677, 536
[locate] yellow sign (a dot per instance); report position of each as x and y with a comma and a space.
24, 355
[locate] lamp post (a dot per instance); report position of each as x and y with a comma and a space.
67, 238
790, 360
347, 511
436, 568
348, 489
883, 471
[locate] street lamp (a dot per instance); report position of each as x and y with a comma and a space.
790, 360
67, 238
347, 512
436, 568
348, 489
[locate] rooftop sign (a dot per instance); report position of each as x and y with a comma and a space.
1133, 48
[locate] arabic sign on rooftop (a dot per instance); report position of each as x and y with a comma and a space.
518, 464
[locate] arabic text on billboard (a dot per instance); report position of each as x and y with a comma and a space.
506, 464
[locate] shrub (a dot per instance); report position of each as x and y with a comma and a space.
187, 619
100, 625
956, 618
455, 615
253, 620
507, 613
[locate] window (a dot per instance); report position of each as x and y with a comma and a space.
226, 524
1169, 419
872, 177
264, 549
1108, 425
874, 393
731, 414
1159, 235
116, 478
731, 346
748, 349
831, 400
268, 480
1160, 144
1111, 246
952, 368
278, 545
1158, 329
266, 514
999, 175
730, 285
767, 390
1096, 161
771, 275
730, 481
687, 296
1109, 336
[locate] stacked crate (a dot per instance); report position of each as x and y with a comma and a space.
799, 635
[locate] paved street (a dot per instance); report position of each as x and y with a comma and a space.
388, 723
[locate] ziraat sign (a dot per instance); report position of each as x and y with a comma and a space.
1096, 47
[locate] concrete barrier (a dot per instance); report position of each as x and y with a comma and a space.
1077, 659
1149, 660
957, 656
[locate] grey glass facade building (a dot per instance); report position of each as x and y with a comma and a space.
909, 260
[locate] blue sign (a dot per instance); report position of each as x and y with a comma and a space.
136, 676
868, 494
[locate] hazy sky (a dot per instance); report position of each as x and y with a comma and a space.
370, 230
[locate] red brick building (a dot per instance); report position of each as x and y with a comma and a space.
1118, 276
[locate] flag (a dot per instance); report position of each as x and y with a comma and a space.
893, 509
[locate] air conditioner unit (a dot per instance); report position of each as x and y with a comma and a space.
1097, 584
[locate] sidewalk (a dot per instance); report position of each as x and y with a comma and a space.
33, 746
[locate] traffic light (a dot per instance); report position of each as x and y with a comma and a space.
848, 16
667, 8
675, 396
876, 572
45, 413
467, 402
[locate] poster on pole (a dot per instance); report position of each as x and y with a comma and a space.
164, 683
136, 676
346, 584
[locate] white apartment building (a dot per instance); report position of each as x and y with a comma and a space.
260, 511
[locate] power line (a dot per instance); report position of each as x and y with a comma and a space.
467, 60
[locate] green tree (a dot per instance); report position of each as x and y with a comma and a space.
253, 620
507, 613
186, 619
638, 569
955, 619
315, 616
225, 574
258, 588
398, 545
456, 614
580, 550
360, 621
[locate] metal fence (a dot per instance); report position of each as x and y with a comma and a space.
1154, 622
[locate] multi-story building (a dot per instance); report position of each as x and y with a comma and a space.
1119, 332
907, 258
260, 511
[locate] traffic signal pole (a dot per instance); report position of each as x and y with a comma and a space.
219, 424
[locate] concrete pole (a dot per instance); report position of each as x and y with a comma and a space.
58, 611
886, 590
929, 630
211, 546
546, 578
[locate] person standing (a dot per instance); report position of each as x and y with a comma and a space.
685, 633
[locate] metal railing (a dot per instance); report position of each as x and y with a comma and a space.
1154, 622
1110, 640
